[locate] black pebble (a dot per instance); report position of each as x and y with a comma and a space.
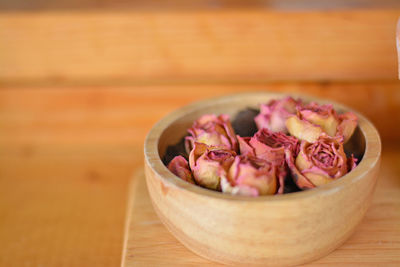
175, 150
290, 186
244, 124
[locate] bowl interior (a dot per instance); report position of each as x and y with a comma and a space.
171, 129
174, 133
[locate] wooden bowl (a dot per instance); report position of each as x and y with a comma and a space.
284, 229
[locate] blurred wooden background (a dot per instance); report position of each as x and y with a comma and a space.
197, 45
81, 83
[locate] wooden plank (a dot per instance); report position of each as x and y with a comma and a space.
123, 115
11, 5
398, 46
233, 44
376, 241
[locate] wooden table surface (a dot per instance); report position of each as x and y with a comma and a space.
67, 155
376, 240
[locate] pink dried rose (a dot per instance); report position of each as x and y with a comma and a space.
209, 163
273, 115
271, 147
313, 120
180, 167
313, 151
212, 130
319, 163
250, 176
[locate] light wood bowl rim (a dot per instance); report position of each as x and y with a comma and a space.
153, 160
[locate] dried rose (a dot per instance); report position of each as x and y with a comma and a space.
212, 130
274, 114
319, 163
180, 167
250, 176
271, 147
313, 120
209, 163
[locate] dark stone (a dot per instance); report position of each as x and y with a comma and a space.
244, 124
290, 185
175, 150
356, 145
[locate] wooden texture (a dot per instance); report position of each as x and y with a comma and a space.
63, 205
376, 241
67, 153
279, 230
18, 5
232, 44
124, 114
398, 46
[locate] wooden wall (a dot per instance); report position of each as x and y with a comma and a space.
136, 44
238, 44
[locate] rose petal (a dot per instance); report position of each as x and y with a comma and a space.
180, 167
302, 161
303, 129
281, 179
328, 123
348, 123
351, 162
321, 115
241, 190
229, 130
189, 143
244, 146
198, 150
207, 173
209, 163
212, 130
301, 181
273, 115
255, 173
317, 176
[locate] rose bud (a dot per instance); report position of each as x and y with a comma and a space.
271, 147
273, 115
180, 167
209, 163
212, 130
313, 120
250, 176
318, 163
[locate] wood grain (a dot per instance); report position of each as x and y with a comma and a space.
250, 44
398, 46
67, 153
17, 5
124, 114
63, 205
375, 242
